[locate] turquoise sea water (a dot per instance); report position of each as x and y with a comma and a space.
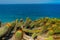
9, 12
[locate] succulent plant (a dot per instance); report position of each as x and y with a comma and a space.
18, 35
4, 29
27, 22
50, 38
31, 29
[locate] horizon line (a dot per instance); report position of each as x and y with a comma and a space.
29, 3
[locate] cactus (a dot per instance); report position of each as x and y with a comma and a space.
32, 24
4, 29
34, 35
27, 22
42, 26
31, 31
21, 23
18, 35
49, 38
50, 32
16, 25
57, 30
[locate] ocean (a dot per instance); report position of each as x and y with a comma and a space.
10, 12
